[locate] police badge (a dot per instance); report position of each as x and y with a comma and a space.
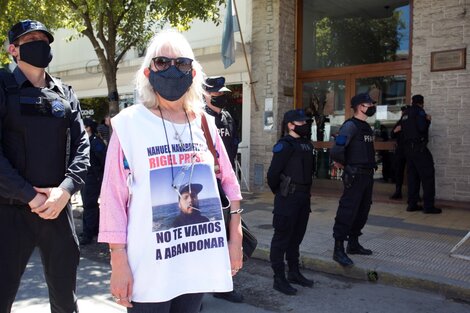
58, 108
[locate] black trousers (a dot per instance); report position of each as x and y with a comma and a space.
420, 169
91, 211
187, 303
399, 163
289, 225
354, 207
20, 232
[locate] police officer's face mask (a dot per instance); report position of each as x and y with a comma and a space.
37, 53
370, 110
302, 130
220, 101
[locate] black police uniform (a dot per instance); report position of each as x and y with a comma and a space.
354, 148
91, 190
419, 159
290, 179
44, 144
399, 159
228, 130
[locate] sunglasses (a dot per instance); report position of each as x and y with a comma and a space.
182, 64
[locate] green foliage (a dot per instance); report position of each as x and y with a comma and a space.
96, 108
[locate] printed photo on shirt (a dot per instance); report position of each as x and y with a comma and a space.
190, 199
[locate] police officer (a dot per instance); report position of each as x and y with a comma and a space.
399, 158
415, 126
91, 190
43, 161
354, 152
217, 102
216, 106
290, 179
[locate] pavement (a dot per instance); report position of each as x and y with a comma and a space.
410, 249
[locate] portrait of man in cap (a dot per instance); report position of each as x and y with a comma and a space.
188, 203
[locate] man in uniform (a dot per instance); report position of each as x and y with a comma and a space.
43, 161
91, 190
354, 152
290, 179
216, 106
399, 159
216, 103
415, 127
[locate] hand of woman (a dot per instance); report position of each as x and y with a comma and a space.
236, 257
121, 277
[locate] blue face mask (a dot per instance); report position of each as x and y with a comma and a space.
171, 83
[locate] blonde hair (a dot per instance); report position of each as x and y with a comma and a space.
170, 43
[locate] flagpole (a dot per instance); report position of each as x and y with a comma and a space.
246, 58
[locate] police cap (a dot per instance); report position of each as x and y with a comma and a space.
28, 26
295, 115
216, 84
360, 99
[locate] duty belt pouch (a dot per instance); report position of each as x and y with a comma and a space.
349, 174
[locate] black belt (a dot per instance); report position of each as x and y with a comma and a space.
360, 170
11, 201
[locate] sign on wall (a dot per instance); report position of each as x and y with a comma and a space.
448, 60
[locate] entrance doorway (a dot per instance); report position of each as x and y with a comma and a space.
346, 48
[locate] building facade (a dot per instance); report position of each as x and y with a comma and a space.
303, 53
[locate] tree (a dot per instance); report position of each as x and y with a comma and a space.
112, 26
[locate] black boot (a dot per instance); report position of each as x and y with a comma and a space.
397, 195
354, 247
297, 278
340, 256
282, 285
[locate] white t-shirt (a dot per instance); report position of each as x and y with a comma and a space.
168, 260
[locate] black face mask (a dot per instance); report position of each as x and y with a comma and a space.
37, 53
220, 101
171, 83
302, 130
370, 111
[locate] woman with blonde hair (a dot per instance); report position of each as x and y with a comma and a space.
157, 146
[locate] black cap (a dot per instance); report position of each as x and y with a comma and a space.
360, 99
28, 26
216, 84
195, 188
417, 99
295, 115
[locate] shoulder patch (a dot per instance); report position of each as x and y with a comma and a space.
341, 140
278, 147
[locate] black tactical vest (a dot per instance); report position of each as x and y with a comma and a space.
300, 164
360, 151
409, 125
36, 132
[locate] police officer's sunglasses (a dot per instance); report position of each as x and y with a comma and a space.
163, 63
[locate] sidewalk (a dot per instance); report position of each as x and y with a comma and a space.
411, 249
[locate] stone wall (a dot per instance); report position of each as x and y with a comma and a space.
444, 25
273, 37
